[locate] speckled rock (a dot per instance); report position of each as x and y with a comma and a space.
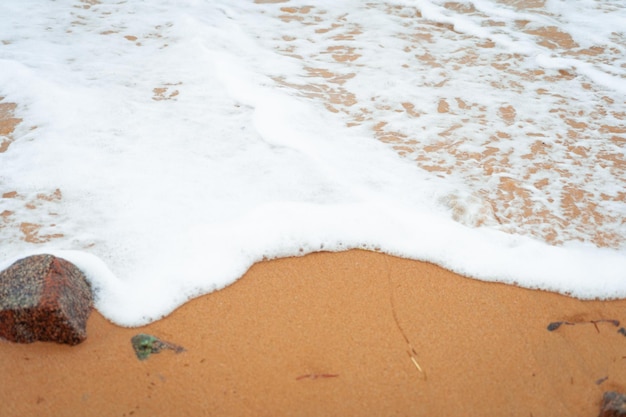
613, 405
44, 298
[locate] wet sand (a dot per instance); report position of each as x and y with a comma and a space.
329, 334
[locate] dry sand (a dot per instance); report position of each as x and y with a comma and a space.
316, 336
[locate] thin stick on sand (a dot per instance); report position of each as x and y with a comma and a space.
411, 350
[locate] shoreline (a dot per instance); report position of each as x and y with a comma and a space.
332, 334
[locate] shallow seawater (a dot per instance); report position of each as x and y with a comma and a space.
164, 148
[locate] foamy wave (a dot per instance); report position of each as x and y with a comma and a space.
166, 148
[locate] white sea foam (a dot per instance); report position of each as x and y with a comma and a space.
189, 139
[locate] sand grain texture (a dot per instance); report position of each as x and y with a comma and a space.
315, 336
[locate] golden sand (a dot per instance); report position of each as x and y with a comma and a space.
337, 334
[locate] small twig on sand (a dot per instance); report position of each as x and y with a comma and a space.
316, 376
411, 350
556, 324
601, 380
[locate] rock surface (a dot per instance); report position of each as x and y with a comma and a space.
146, 344
44, 298
613, 405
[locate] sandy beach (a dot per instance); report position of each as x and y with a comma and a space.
332, 334
534, 136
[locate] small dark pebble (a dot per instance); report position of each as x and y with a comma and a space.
146, 344
554, 325
622, 331
613, 405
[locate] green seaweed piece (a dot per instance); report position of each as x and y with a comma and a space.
146, 344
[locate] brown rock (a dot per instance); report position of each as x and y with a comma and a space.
613, 405
44, 298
